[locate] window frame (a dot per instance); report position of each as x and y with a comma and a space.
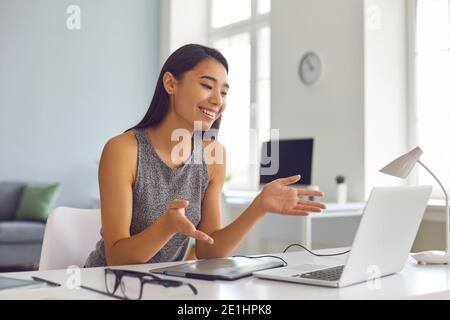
252, 26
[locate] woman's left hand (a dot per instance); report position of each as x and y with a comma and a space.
278, 197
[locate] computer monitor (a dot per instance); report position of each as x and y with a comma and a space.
295, 157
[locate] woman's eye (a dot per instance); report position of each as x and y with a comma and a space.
223, 93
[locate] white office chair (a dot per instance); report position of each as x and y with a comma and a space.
70, 235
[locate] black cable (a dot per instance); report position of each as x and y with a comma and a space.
264, 256
316, 254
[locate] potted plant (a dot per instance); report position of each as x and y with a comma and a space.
341, 194
227, 181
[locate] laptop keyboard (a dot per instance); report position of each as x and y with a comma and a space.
330, 274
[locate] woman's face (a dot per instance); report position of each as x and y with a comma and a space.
200, 95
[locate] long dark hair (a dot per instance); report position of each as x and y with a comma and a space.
182, 60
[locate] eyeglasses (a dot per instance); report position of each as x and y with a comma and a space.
131, 284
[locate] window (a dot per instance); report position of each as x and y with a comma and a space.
240, 29
225, 12
431, 121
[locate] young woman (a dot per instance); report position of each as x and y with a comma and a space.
151, 202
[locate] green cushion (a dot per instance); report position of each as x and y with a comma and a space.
37, 201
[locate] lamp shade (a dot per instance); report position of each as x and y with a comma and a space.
402, 166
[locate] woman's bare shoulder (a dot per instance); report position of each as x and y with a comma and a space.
125, 142
120, 153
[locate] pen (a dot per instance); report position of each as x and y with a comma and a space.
50, 283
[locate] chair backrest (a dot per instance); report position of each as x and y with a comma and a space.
70, 235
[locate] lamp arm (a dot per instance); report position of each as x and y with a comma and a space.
447, 213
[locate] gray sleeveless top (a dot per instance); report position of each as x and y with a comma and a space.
156, 185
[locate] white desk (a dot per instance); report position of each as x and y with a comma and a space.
414, 282
335, 227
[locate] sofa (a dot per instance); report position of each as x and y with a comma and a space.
20, 241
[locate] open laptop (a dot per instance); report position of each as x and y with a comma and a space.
381, 245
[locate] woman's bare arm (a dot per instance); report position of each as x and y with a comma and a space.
276, 197
228, 238
117, 173
116, 176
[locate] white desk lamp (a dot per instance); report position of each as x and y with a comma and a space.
401, 167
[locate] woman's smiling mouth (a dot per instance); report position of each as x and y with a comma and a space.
208, 113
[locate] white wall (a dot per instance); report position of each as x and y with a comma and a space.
182, 22
64, 93
431, 234
332, 111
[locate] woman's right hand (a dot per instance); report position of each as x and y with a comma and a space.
178, 222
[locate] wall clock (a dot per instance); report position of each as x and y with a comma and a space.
310, 68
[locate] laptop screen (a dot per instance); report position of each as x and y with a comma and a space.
285, 158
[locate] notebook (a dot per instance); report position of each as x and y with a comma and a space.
12, 283
231, 268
